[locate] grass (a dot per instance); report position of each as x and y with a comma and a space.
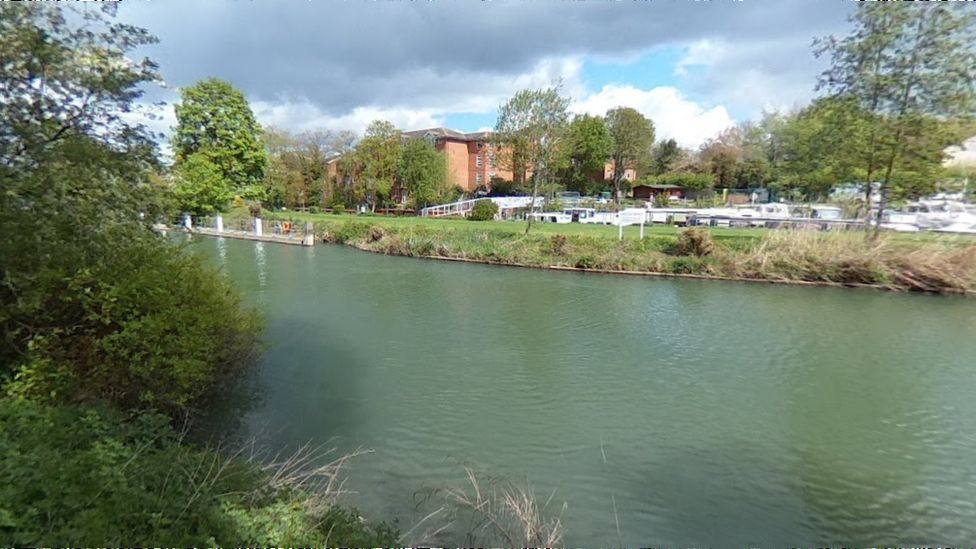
895, 261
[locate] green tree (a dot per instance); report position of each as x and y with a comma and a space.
910, 67
215, 119
722, 156
423, 172
200, 187
534, 122
379, 155
665, 155
588, 147
633, 136
62, 81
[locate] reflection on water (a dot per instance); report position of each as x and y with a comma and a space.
677, 412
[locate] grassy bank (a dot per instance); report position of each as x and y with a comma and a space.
931, 263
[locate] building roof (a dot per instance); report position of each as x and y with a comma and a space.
660, 187
447, 133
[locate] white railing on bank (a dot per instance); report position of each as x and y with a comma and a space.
463, 207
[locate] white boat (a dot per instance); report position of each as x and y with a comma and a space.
937, 214
551, 217
959, 227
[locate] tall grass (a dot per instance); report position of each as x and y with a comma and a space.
932, 264
850, 258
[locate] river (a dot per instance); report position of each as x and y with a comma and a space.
662, 412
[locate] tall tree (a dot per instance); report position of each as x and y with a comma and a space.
379, 155
633, 135
588, 147
908, 66
664, 156
534, 122
215, 119
423, 172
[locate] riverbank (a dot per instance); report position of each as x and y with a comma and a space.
892, 262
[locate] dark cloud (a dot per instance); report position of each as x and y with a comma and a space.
340, 55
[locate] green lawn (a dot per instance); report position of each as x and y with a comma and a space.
569, 229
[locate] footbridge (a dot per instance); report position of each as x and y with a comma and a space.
462, 208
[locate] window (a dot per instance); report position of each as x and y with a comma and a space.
479, 178
477, 161
492, 160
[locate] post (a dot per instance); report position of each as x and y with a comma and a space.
309, 239
620, 225
257, 226
220, 223
642, 230
187, 222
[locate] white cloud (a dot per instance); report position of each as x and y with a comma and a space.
674, 115
304, 115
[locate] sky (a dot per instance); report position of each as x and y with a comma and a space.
694, 67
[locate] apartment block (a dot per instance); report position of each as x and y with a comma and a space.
471, 157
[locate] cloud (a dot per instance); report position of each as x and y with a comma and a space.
304, 115
345, 55
674, 116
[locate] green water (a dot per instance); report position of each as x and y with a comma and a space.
663, 412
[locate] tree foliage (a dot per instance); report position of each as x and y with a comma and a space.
587, 148
909, 68
423, 172
664, 156
378, 158
531, 128
633, 136
215, 119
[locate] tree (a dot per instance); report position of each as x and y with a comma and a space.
423, 172
200, 186
214, 118
722, 155
95, 306
588, 147
531, 127
633, 135
910, 67
61, 82
295, 176
665, 155
379, 155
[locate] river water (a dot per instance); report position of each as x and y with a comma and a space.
662, 412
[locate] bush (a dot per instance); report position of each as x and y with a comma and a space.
696, 242
146, 327
376, 233
558, 244
74, 476
314, 209
255, 209
338, 208
483, 210
585, 262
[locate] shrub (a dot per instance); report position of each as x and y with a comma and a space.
146, 327
558, 244
585, 262
314, 209
338, 208
686, 265
696, 242
376, 233
483, 210
74, 476
255, 209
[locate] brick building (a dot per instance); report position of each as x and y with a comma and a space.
471, 157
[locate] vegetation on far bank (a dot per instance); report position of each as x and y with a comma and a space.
896, 262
